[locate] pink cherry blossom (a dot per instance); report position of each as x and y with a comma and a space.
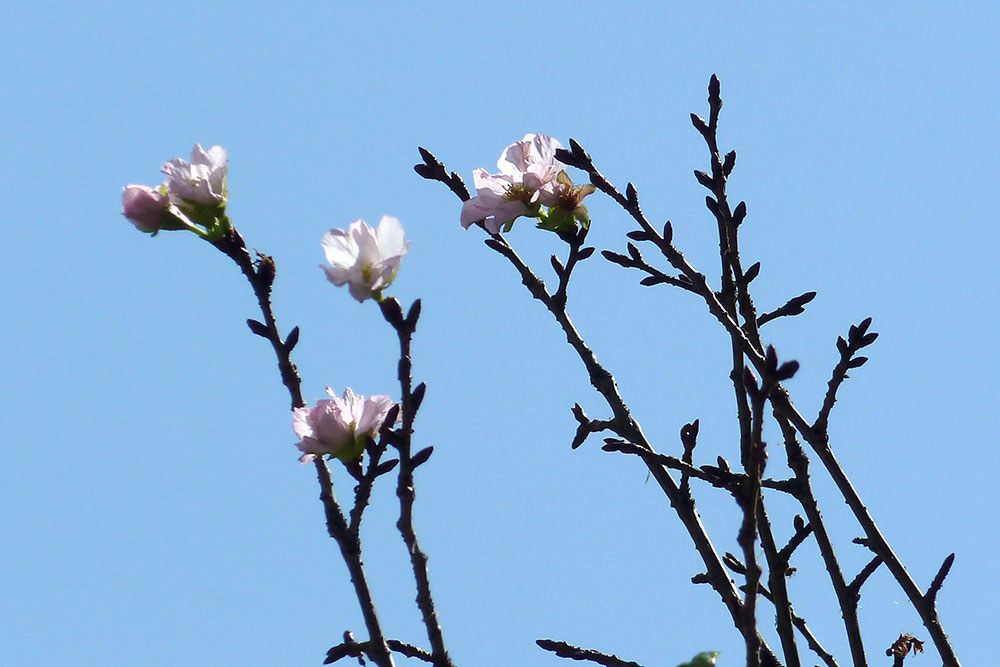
498, 200
202, 180
365, 259
532, 161
528, 176
145, 207
340, 425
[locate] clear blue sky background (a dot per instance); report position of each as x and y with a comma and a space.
152, 510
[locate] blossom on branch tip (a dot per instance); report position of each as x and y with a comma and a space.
201, 181
145, 207
339, 426
532, 161
193, 196
365, 259
498, 201
528, 174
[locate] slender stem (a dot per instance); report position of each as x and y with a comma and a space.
402, 440
626, 425
876, 541
776, 567
629, 428
564, 650
811, 641
261, 277
350, 549
779, 398
846, 598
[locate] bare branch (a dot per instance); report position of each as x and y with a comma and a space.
401, 440
564, 650
867, 571
938, 580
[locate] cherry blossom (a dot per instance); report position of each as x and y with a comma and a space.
365, 259
528, 177
200, 181
145, 207
339, 426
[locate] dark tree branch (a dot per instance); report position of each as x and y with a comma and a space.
847, 599
401, 439
776, 573
719, 476
793, 307
564, 650
811, 641
626, 426
586, 426
433, 170
938, 580
654, 277
353, 649
857, 338
802, 531
779, 398
260, 275
867, 571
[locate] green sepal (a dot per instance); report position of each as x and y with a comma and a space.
353, 451
706, 659
557, 220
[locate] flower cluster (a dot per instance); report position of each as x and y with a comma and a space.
193, 196
339, 426
365, 259
530, 177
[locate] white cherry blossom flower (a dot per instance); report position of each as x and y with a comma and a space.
365, 259
200, 181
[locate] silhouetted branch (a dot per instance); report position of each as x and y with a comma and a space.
433, 170
793, 307
261, 276
802, 531
938, 580
857, 338
811, 641
353, 649
586, 426
719, 476
626, 426
400, 438
867, 571
564, 650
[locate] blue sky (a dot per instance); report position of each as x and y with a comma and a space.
153, 510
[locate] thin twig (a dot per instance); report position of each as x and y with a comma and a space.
715, 475
780, 400
858, 337
811, 641
938, 580
626, 426
777, 566
846, 598
564, 650
401, 440
354, 649
261, 275
867, 571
